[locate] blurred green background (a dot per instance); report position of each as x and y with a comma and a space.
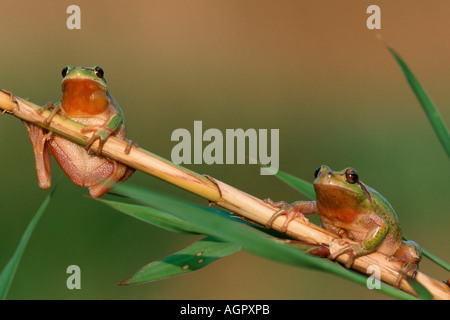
310, 69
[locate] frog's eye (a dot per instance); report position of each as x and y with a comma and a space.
316, 172
99, 72
351, 176
64, 71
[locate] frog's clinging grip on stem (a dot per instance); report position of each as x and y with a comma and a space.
85, 99
349, 208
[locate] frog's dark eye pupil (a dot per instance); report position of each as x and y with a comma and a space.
64, 71
99, 72
316, 172
351, 176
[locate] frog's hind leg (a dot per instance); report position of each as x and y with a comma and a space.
410, 254
409, 251
119, 173
38, 138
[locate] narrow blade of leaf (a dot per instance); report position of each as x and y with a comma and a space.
217, 225
247, 237
196, 256
421, 291
168, 203
153, 216
427, 105
298, 184
7, 275
436, 259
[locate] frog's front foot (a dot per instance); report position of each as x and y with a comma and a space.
409, 269
101, 133
341, 246
54, 110
290, 211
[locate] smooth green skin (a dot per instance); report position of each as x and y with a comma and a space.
88, 73
358, 213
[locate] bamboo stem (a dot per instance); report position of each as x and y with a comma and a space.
215, 191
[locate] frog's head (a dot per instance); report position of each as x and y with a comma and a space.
94, 74
340, 193
84, 91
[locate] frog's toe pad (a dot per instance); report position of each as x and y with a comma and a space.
291, 213
341, 246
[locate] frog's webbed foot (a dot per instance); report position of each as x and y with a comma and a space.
101, 133
409, 254
409, 269
290, 211
353, 248
54, 110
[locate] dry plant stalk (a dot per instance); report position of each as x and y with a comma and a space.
216, 192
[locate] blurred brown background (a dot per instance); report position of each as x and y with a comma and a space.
310, 69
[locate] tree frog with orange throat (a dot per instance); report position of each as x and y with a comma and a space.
356, 212
85, 99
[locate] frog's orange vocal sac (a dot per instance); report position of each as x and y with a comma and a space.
85, 99
81, 98
356, 212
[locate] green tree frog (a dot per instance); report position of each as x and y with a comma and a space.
356, 212
85, 99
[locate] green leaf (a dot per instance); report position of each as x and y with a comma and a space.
7, 275
427, 105
153, 216
219, 226
196, 256
421, 291
436, 259
248, 238
298, 184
